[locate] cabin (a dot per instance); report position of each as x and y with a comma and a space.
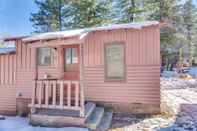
64, 78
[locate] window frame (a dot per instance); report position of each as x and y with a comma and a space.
115, 79
64, 58
51, 57
71, 55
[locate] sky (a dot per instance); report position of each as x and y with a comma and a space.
14, 16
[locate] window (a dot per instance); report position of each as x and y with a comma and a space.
44, 56
114, 61
71, 58
71, 55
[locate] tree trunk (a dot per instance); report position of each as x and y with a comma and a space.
60, 14
132, 15
161, 8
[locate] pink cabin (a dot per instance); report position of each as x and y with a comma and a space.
116, 67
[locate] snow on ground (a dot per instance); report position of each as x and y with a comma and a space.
179, 96
21, 124
169, 74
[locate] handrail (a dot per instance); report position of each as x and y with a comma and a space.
58, 94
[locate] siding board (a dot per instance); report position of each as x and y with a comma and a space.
142, 67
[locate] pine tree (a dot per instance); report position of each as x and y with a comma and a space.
88, 13
56, 15
129, 10
189, 13
49, 16
168, 11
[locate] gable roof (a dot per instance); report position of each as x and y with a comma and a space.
83, 32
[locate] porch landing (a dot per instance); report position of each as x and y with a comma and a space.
96, 118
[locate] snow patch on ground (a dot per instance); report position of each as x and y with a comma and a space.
193, 71
168, 74
177, 83
22, 124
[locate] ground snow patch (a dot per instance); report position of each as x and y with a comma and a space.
21, 124
168, 74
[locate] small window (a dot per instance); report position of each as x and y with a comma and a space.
70, 59
114, 61
71, 56
44, 56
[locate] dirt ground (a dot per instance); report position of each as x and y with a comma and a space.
179, 97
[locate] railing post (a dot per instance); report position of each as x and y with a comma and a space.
47, 85
61, 94
82, 101
40, 93
54, 92
82, 94
33, 94
68, 93
76, 83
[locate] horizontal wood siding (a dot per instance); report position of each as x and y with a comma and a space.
25, 69
7, 82
7, 69
7, 99
142, 84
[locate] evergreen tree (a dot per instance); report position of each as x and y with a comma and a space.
189, 13
168, 11
88, 13
49, 16
56, 15
129, 10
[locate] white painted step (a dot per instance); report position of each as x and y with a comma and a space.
95, 118
105, 122
89, 108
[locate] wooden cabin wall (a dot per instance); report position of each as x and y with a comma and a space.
26, 69
142, 83
17, 75
7, 83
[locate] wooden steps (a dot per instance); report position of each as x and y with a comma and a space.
105, 122
96, 118
89, 108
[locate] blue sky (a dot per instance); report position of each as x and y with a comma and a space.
14, 16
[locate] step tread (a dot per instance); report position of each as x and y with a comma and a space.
106, 121
89, 108
95, 118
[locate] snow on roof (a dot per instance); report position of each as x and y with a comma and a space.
54, 35
83, 32
7, 50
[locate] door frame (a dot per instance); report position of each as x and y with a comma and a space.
74, 75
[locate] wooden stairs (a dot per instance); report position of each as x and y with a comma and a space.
96, 118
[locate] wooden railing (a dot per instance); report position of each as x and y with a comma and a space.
58, 94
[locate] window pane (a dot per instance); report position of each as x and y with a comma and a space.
115, 61
74, 56
68, 56
71, 56
44, 56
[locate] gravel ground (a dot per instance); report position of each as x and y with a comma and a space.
181, 97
